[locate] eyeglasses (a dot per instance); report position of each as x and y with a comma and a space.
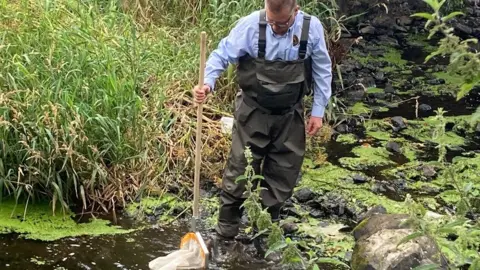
281, 25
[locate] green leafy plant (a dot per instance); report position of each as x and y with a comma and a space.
261, 224
464, 62
463, 249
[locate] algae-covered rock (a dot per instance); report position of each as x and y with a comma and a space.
376, 247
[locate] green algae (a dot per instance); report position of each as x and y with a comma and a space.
359, 108
366, 156
379, 135
335, 179
390, 55
466, 175
164, 205
374, 90
449, 78
346, 138
423, 132
41, 224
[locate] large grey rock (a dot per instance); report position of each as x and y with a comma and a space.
376, 245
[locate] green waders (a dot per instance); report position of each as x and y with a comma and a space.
269, 117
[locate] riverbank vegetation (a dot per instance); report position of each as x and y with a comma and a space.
96, 115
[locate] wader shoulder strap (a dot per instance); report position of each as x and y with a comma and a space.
304, 38
262, 42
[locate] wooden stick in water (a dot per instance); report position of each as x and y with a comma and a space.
198, 143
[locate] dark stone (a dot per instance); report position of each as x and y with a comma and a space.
378, 209
455, 148
384, 22
316, 213
292, 211
370, 30
401, 184
389, 89
367, 81
359, 179
342, 128
371, 67
378, 188
289, 227
380, 76
449, 126
377, 221
404, 21
424, 107
394, 147
304, 195
376, 245
356, 95
388, 41
400, 29
464, 29
428, 171
398, 123
436, 81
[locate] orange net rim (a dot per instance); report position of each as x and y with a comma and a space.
195, 236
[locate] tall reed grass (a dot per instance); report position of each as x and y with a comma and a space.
95, 103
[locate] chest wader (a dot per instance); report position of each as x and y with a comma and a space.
269, 118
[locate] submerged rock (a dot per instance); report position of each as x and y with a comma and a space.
436, 81
389, 89
428, 171
368, 30
394, 147
304, 195
398, 123
359, 179
424, 107
376, 247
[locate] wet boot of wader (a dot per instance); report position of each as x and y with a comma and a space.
269, 118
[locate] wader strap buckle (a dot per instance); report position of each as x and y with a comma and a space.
262, 37
302, 51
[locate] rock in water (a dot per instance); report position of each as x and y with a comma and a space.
394, 147
398, 123
425, 107
304, 195
376, 245
368, 30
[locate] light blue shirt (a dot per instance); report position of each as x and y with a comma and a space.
243, 39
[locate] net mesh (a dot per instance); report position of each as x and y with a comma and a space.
191, 255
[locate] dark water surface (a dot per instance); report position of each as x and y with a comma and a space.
127, 251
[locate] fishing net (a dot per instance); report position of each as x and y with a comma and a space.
193, 254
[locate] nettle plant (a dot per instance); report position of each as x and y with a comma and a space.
261, 224
456, 236
464, 62
261, 220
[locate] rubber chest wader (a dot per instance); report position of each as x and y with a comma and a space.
268, 118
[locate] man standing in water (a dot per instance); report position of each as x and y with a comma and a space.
280, 53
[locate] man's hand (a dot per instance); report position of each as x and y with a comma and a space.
199, 94
314, 125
